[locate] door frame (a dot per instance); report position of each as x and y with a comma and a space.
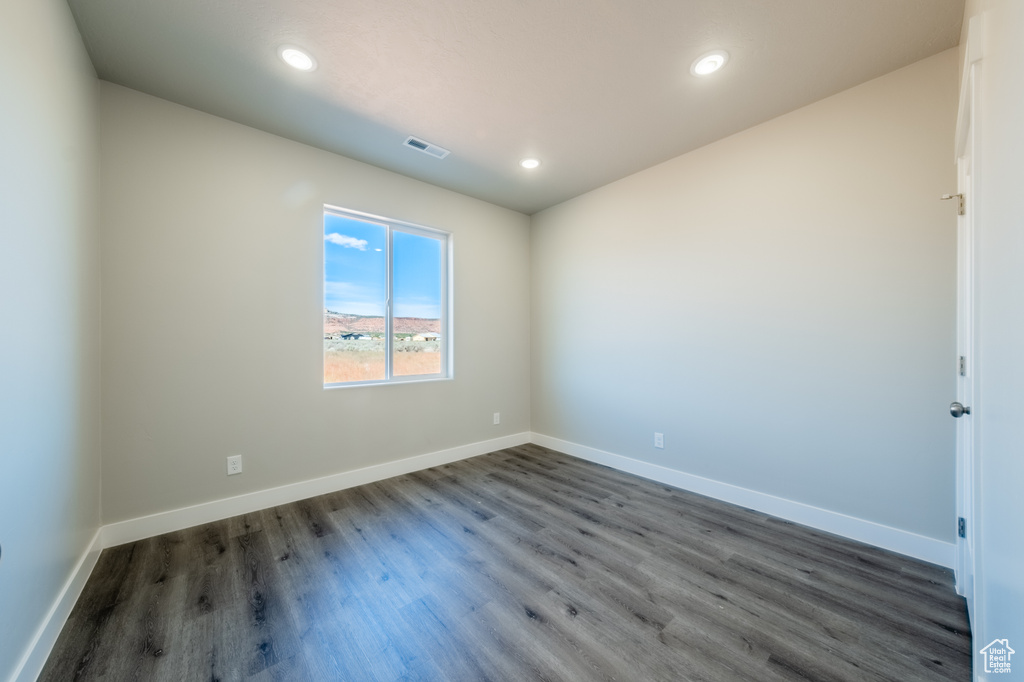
967, 386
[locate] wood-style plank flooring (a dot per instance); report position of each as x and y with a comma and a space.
524, 564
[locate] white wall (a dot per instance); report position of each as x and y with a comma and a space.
999, 411
780, 304
49, 306
212, 238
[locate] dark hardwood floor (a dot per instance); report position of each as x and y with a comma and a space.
524, 564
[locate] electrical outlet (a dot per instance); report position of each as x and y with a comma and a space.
497, 417
234, 465
659, 440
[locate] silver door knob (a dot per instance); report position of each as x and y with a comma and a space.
958, 410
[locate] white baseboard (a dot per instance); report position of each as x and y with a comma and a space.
32, 662
871, 533
207, 512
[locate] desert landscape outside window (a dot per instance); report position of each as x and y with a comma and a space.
386, 300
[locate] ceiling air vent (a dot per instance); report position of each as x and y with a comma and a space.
426, 147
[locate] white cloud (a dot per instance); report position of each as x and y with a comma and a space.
346, 241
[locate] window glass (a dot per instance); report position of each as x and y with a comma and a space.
355, 300
417, 309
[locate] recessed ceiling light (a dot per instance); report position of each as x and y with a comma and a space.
709, 63
297, 59
529, 163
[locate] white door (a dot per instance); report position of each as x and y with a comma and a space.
965, 387
966, 403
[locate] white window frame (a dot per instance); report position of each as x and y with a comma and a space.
447, 298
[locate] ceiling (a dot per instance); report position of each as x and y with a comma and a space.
596, 89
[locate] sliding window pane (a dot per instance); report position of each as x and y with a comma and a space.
417, 290
355, 300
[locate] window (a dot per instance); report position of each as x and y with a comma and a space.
386, 300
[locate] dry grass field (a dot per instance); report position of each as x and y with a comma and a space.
368, 365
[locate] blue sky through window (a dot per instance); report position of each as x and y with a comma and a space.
417, 276
355, 270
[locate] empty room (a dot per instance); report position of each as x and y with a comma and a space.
475, 340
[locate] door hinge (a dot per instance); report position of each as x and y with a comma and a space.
960, 204
962, 366
961, 527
